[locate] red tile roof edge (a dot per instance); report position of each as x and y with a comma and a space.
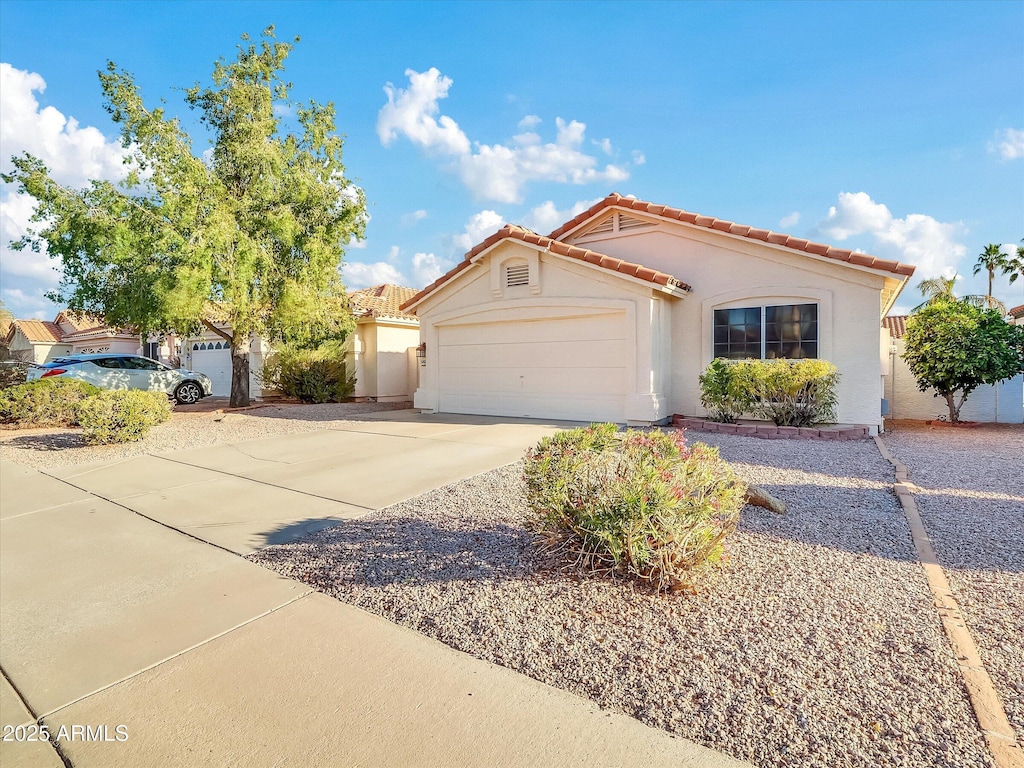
1017, 312
897, 325
722, 225
27, 328
515, 232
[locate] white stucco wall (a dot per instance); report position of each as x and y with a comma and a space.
22, 349
730, 271
560, 290
1003, 403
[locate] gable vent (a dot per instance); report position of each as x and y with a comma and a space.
517, 274
631, 222
605, 226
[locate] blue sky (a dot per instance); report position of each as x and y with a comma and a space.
893, 128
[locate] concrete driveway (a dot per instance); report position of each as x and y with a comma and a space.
125, 603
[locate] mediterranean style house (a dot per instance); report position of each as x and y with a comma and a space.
383, 348
613, 316
71, 333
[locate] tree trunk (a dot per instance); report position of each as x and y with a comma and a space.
954, 412
239, 373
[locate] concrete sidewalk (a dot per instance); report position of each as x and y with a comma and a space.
113, 619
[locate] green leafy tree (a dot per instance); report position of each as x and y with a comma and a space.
247, 242
954, 347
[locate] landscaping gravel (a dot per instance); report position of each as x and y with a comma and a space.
971, 499
817, 646
45, 448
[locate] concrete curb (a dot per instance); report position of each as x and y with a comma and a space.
988, 708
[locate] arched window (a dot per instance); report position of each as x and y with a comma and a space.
195, 347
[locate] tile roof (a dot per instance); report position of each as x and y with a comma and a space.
1017, 312
79, 321
39, 330
514, 232
897, 325
721, 225
382, 301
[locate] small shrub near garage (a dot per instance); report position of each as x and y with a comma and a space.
642, 504
791, 393
44, 403
317, 375
122, 416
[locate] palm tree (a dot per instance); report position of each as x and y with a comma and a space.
1015, 267
991, 259
936, 289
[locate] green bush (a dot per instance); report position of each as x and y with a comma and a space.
721, 394
643, 504
44, 403
12, 373
312, 375
792, 393
122, 416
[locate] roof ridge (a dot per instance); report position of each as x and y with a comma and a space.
732, 228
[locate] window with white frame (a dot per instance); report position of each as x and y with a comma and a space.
786, 331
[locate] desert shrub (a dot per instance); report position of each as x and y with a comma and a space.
312, 375
122, 416
44, 402
12, 373
722, 393
792, 393
643, 504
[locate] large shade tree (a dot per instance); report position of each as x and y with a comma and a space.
246, 240
953, 347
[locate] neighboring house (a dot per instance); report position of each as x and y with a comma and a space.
210, 353
1017, 313
1002, 403
615, 314
71, 333
383, 350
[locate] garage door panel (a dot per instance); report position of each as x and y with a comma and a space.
562, 368
589, 328
546, 354
597, 408
534, 381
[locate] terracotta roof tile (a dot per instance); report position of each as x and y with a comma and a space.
796, 243
39, 330
513, 232
383, 300
897, 325
1017, 312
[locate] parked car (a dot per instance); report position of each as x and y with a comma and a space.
111, 371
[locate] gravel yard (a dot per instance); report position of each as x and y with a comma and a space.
44, 448
818, 645
971, 499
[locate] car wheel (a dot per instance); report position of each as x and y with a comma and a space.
188, 393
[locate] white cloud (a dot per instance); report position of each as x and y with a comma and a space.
359, 275
546, 217
393, 253
1009, 144
408, 219
917, 239
480, 226
790, 220
604, 144
491, 171
73, 153
426, 268
411, 113
639, 158
28, 306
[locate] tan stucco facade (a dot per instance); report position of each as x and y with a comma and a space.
663, 340
383, 358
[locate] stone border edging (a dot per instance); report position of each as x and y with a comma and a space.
988, 708
770, 431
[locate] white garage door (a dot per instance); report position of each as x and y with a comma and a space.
566, 368
215, 363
